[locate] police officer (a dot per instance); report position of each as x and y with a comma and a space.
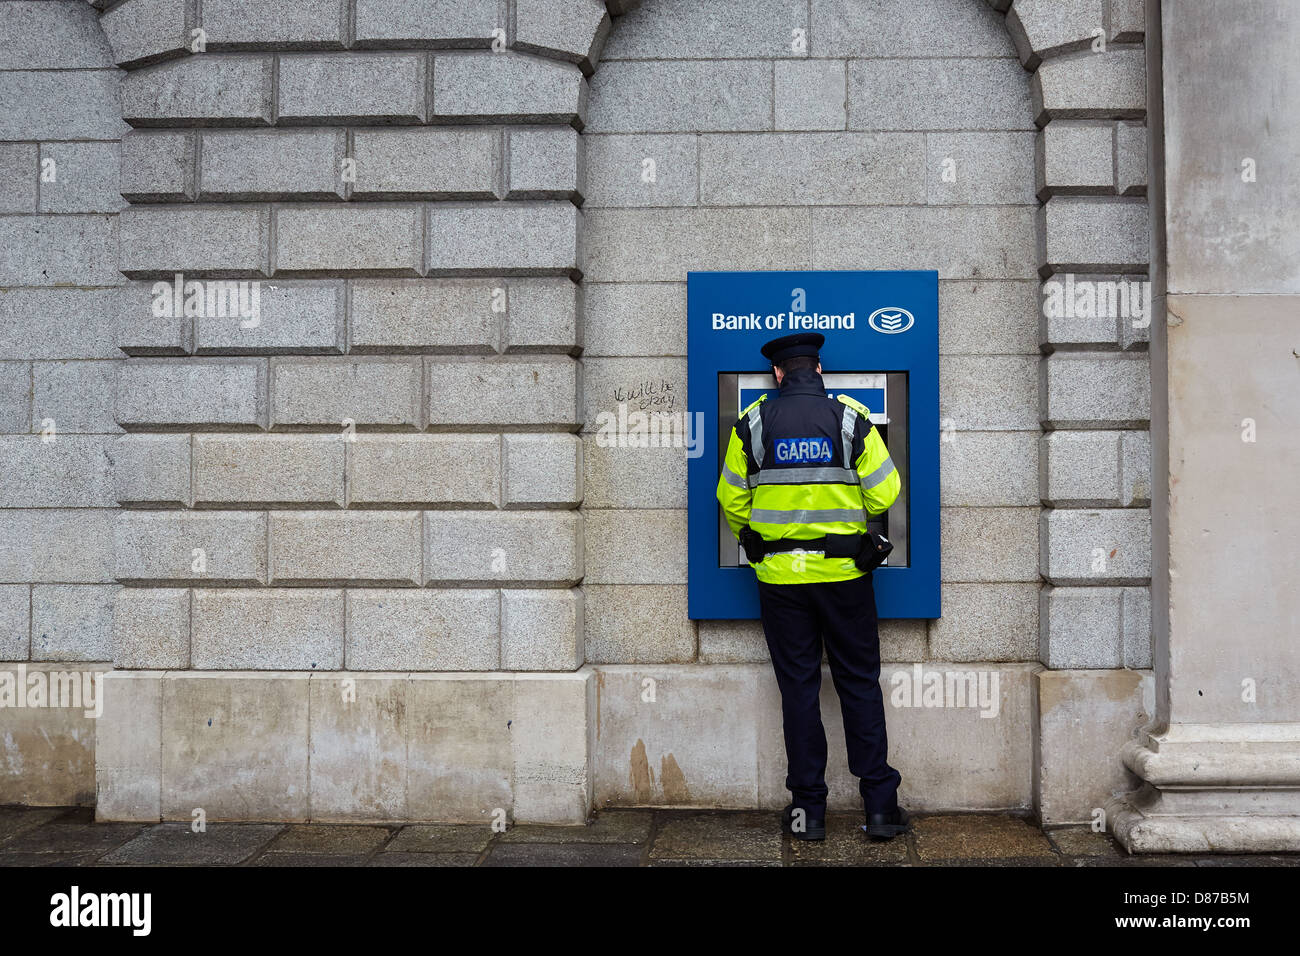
801, 474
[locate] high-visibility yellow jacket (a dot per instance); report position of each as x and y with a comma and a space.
803, 466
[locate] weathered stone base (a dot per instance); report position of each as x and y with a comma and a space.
47, 753
344, 746
1212, 788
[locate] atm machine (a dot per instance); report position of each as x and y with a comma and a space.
881, 349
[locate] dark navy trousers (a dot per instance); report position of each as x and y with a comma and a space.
796, 618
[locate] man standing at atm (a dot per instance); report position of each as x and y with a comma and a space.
802, 472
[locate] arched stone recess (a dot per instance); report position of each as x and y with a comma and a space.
332, 540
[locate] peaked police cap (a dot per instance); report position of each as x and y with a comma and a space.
790, 346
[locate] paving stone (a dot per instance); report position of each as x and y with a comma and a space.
609, 826
423, 859
336, 88
309, 859
15, 821
320, 838
444, 838
174, 844
73, 838
718, 836
979, 837
564, 854
227, 89
29, 859
846, 843
1084, 841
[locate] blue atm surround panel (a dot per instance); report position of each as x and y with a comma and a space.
874, 322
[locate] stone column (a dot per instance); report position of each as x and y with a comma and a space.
1220, 766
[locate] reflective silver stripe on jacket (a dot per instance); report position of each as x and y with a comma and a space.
846, 429
733, 479
772, 516
756, 434
880, 474
804, 476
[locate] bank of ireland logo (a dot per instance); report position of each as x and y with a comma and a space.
891, 321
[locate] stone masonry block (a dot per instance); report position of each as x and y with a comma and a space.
73, 471
1074, 158
551, 746
128, 748
19, 170
268, 470
637, 624
759, 29
359, 729
57, 104
56, 544
222, 90
72, 622
1042, 28
683, 96
504, 87
574, 32
146, 31
1080, 469
542, 315
987, 167
986, 622
1135, 468
784, 169
1107, 546
275, 629
199, 241
1095, 390
51, 323
151, 628
434, 24
300, 317
148, 317
74, 396
520, 548
360, 548
235, 745
75, 251
542, 470
938, 94
334, 88
898, 28
15, 622
484, 394
324, 240
43, 36
453, 629
546, 163
425, 315
194, 393
429, 163
984, 469
619, 167
1131, 159
301, 24
152, 470
436, 471
271, 164
988, 544
533, 238
636, 546
329, 393
158, 166
15, 397
541, 630
1110, 85
632, 477
988, 392
1128, 21
206, 548
810, 94
1095, 627
85, 177
1093, 235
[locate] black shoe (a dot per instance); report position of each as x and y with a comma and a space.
886, 826
814, 828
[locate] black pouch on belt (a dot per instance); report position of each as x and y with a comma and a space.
875, 548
